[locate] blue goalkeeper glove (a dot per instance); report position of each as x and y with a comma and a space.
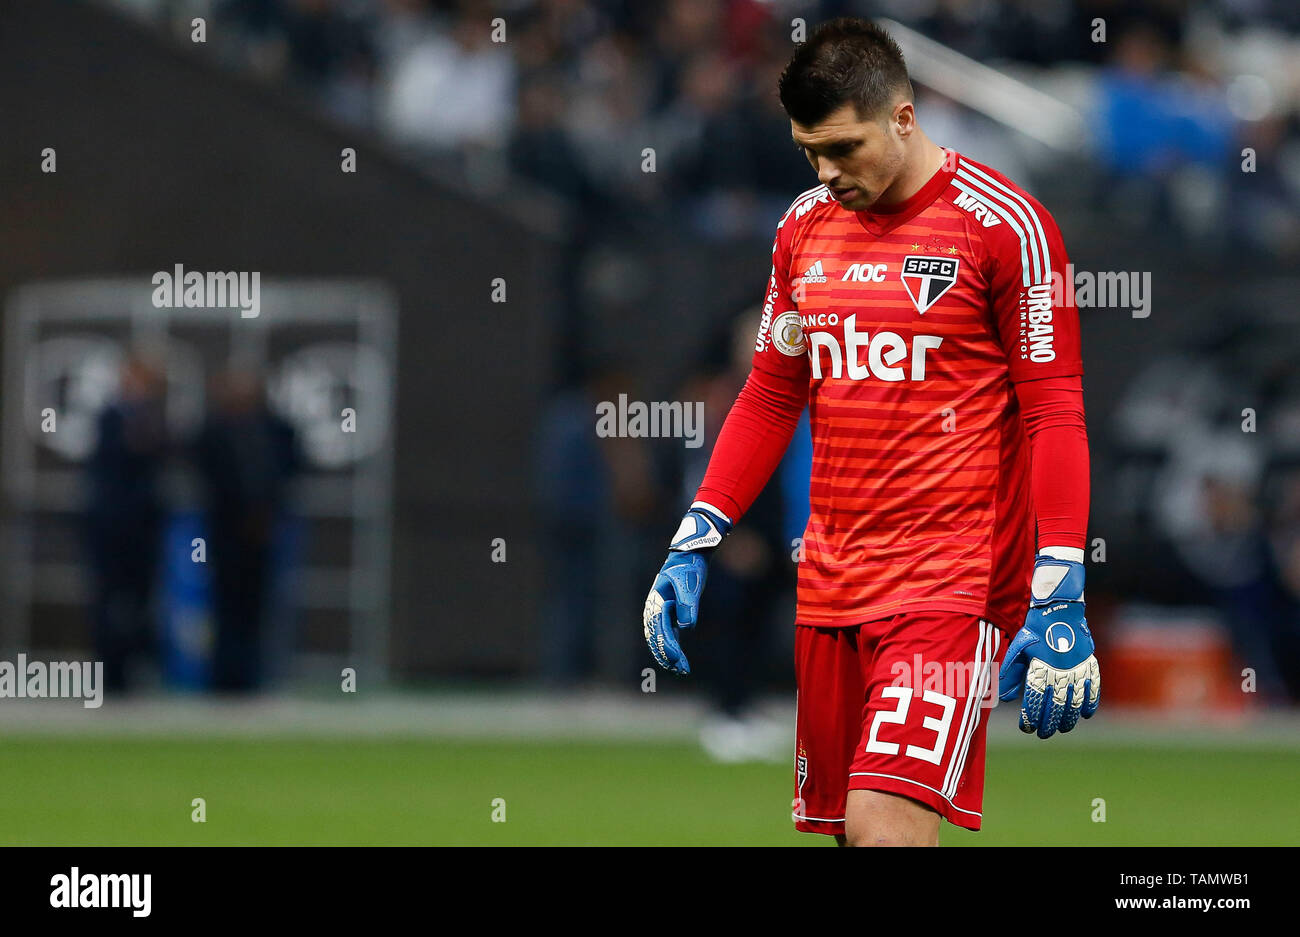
674, 599
1051, 657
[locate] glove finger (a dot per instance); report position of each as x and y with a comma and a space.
1036, 705
688, 582
1091, 694
661, 634
1011, 678
1070, 712
1051, 718
687, 612
651, 616
672, 648
669, 654
1054, 704
1023, 639
1031, 709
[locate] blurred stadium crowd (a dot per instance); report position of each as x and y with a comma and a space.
1168, 87
1176, 96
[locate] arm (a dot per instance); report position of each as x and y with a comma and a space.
750, 445
1052, 409
753, 439
1051, 658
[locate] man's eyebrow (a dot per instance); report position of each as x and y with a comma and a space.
829, 145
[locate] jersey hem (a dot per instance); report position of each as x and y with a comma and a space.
875, 613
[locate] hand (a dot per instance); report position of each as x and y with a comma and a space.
1051, 657
674, 599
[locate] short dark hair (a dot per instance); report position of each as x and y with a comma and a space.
844, 61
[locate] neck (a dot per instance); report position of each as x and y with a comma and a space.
923, 160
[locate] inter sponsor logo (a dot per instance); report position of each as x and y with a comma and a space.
889, 356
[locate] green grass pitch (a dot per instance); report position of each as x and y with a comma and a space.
127, 791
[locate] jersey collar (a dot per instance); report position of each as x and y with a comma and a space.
880, 220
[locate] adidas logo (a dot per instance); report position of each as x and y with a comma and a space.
814, 274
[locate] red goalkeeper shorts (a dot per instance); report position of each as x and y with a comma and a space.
894, 705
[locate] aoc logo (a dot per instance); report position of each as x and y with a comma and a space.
928, 278
1060, 637
866, 273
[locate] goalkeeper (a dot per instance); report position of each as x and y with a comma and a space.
915, 305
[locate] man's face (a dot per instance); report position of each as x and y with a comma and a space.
857, 159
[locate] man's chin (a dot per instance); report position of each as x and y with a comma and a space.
858, 201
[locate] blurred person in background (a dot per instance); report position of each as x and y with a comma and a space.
595, 497
454, 88
1285, 546
1163, 135
751, 570
1211, 513
246, 455
124, 521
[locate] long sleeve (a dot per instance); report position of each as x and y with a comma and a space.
762, 421
753, 439
1052, 409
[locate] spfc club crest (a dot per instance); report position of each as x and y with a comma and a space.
928, 278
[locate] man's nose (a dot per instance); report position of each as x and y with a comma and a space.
827, 172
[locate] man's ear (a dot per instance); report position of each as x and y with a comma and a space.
904, 119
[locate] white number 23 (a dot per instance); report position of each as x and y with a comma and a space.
898, 716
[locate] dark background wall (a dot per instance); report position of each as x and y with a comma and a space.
164, 160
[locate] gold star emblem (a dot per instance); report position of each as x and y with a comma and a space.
916, 247
953, 249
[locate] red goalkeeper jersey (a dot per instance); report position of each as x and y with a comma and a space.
909, 329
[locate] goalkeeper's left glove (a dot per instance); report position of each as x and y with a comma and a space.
1051, 657
674, 599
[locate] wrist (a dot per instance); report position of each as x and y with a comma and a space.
1058, 576
702, 528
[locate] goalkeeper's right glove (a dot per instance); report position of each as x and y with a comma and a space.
1051, 658
674, 599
